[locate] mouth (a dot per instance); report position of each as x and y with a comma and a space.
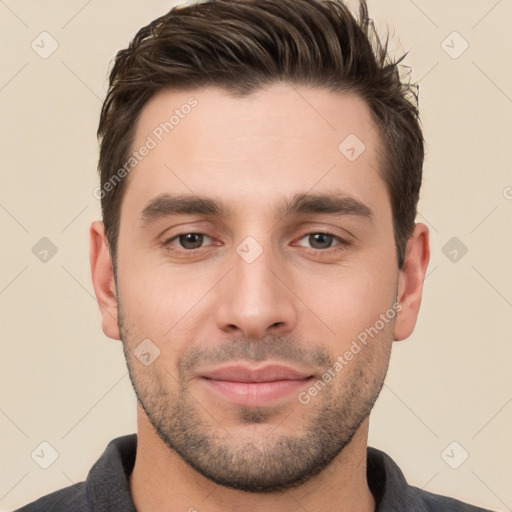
255, 386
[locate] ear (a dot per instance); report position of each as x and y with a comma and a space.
410, 281
103, 279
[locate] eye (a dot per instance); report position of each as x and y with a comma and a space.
191, 241
323, 240
188, 241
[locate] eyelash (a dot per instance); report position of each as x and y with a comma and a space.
342, 242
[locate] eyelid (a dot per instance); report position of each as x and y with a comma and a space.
167, 241
341, 241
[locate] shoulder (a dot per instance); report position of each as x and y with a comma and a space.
436, 502
69, 499
392, 491
106, 486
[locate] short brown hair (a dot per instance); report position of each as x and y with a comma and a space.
243, 45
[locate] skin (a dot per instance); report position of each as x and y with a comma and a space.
302, 301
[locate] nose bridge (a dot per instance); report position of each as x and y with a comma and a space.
253, 298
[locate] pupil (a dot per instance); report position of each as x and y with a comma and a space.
322, 238
189, 239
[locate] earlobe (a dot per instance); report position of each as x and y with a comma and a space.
410, 281
103, 280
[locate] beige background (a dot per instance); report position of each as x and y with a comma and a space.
65, 383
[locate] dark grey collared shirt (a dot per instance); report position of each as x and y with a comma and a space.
106, 488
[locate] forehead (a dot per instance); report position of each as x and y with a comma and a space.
280, 140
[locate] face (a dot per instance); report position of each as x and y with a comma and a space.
256, 299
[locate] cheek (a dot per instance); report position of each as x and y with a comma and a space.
147, 270
163, 303
352, 300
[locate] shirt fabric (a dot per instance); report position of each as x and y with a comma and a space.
106, 488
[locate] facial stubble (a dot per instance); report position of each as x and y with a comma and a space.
274, 461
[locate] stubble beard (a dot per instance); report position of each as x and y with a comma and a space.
270, 462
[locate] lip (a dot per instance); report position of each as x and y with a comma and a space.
253, 386
266, 373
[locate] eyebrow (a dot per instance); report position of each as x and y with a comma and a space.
167, 205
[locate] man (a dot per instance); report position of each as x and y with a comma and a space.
260, 169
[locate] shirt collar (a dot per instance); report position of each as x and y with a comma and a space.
107, 485
389, 486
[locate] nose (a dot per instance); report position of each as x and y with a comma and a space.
254, 298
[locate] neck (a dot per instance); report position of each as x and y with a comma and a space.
162, 481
